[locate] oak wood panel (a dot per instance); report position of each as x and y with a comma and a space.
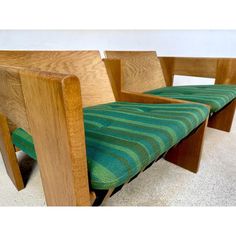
222, 69
187, 155
12, 104
226, 71
9, 155
223, 119
141, 70
54, 110
86, 65
202, 67
113, 67
127, 96
167, 65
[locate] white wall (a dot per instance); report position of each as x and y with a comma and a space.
166, 42
203, 43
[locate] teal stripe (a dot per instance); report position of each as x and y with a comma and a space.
216, 96
123, 138
166, 129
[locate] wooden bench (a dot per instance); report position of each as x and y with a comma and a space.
44, 93
142, 71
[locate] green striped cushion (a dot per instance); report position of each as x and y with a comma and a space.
24, 141
123, 138
217, 96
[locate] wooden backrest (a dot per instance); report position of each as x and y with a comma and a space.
222, 69
12, 103
86, 65
49, 106
140, 70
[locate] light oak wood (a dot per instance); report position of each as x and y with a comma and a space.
187, 153
9, 155
58, 135
86, 65
13, 115
167, 65
222, 69
52, 114
92, 197
201, 67
127, 96
12, 104
49, 107
16, 148
114, 68
223, 119
226, 71
141, 70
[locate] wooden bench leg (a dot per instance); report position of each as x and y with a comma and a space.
9, 155
187, 154
223, 119
57, 127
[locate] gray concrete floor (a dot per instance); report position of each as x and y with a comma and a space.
163, 184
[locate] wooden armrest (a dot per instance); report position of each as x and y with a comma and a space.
56, 123
49, 107
113, 67
126, 96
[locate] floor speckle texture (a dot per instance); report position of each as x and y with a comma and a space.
163, 184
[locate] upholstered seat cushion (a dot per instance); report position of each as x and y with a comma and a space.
217, 96
24, 141
123, 138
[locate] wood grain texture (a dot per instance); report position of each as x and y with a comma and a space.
113, 67
223, 119
86, 65
202, 67
127, 96
187, 155
167, 65
54, 110
141, 70
12, 104
9, 155
222, 69
226, 71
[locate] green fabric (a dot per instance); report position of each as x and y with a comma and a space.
24, 142
217, 96
123, 138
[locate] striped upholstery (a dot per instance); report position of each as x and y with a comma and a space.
24, 141
217, 96
123, 138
